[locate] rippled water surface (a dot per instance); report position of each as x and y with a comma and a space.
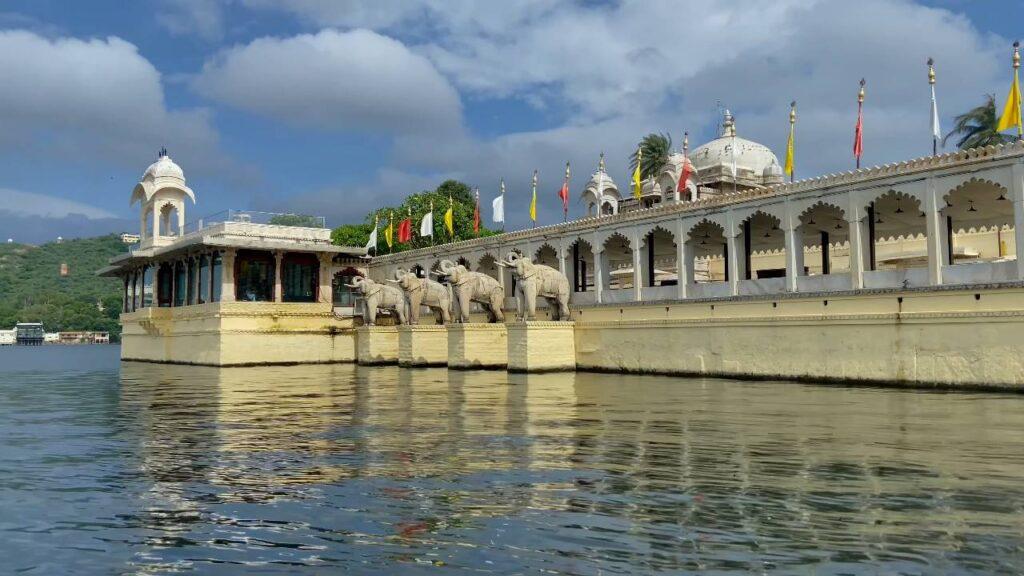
110, 468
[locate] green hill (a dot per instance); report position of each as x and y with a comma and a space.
33, 290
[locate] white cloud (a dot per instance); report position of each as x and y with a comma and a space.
356, 80
33, 204
204, 18
88, 100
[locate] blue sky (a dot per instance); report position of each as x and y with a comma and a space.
333, 107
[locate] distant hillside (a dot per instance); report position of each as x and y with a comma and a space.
33, 290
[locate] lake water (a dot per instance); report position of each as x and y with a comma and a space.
110, 468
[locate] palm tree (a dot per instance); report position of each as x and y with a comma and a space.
977, 127
656, 148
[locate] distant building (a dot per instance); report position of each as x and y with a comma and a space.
83, 337
129, 238
51, 337
8, 337
64, 270
29, 333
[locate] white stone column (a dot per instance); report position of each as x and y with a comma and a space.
1017, 196
324, 294
936, 233
793, 243
181, 219
278, 260
562, 256
156, 222
227, 276
735, 257
684, 261
598, 273
856, 224
142, 223
638, 277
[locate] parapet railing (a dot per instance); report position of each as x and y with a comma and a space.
256, 217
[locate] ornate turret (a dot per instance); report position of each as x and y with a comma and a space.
601, 195
161, 194
731, 163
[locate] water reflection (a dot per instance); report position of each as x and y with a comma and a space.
392, 470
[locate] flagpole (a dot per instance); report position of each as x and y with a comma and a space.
533, 200
935, 111
565, 201
792, 135
860, 121
502, 205
431, 221
1016, 86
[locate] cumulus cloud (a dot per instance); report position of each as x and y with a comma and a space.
87, 100
357, 80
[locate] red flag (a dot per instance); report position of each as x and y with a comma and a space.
405, 230
563, 193
858, 134
476, 214
684, 178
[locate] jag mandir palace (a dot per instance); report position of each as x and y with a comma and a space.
899, 274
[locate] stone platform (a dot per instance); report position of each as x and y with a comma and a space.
477, 346
541, 346
377, 345
422, 345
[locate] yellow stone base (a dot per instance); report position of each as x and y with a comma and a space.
377, 344
422, 345
541, 346
477, 346
238, 334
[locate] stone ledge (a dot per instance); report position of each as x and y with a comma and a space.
541, 346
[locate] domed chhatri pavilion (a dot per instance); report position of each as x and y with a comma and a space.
869, 275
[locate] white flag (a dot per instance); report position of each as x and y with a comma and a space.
427, 224
372, 244
936, 131
498, 206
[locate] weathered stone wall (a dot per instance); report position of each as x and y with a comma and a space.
958, 338
238, 333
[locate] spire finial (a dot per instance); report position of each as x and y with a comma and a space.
686, 142
534, 183
1016, 54
931, 71
792, 112
162, 153
728, 124
567, 170
600, 163
860, 95
502, 186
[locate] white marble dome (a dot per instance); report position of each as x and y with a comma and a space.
717, 155
164, 167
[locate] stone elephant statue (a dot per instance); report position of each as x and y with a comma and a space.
379, 296
470, 287
423, 292
533, 280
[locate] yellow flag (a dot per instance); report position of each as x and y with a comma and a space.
1011, 111
789, 153
637, 186
449, 218
390, 230
533, 201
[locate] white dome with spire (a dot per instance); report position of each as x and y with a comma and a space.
714, 160
164, 167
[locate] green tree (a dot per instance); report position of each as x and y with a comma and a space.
655, 148
415, 207
977, 127
302, 220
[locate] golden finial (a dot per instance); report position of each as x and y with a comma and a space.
686, 142
931, 71
860, 95
600, 163
792, 112
1016, 54
566, 170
